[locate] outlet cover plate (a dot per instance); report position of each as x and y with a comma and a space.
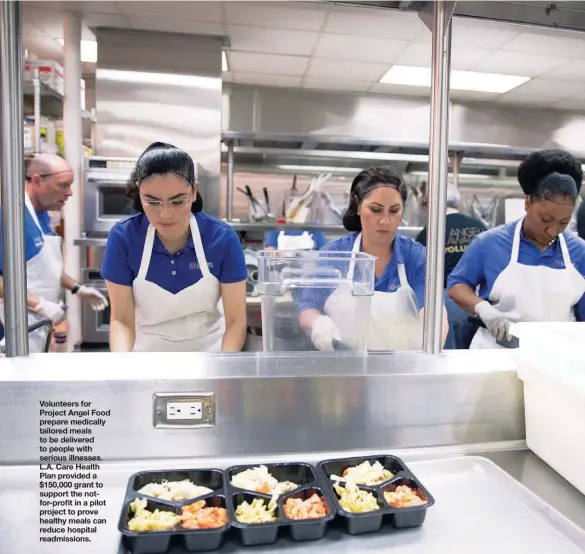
160, 410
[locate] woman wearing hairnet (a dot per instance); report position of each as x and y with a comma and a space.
530, 269
374, 213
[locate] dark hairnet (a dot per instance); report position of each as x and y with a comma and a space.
366, 181
548, 173
159, 159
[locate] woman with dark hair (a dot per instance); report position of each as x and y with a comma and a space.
176, 276
374, 213
530, 269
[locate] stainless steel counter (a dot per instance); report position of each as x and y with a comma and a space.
19, 501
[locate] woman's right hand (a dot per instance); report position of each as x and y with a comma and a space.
324, 332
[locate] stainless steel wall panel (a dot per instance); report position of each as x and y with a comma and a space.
270, 404
161, 87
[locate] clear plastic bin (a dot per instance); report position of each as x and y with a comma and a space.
338, 284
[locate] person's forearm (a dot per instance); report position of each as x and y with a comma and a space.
68, 282
464, 297
307, 318
234, 336
121, 337
31, 299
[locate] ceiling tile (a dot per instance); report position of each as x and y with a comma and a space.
272, 41
571, 104
350, 71
192, 11
419, 54
514, 63
101, 6
250, 62
400, 90
475, 33
525, 100
94, 20
267, 80
173, 26
274, 14
336, 85
562, 43
366, 49
384, 23
474, 96
551, 88
571, 71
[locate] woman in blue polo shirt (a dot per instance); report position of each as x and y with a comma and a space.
175, 275
374, 213
531, 269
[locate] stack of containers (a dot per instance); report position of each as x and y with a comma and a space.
551, 364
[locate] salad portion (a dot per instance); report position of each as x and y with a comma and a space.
355, 500
198, 516
174, 491
313, 507
258, 479
145, 520
403, 497
365, 474
256, 512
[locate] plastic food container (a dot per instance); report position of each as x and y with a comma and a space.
309, 483
551, 364
370, 522
192, 540
290, 282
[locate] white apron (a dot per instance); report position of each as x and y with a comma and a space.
533, 293
394, 322
191, 320
43, 278
295, 242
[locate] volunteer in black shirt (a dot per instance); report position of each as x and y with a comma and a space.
460, 230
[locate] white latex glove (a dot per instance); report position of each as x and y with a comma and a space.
55, 313
324, 332
496, 322
94, 297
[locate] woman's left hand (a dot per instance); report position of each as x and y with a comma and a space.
94, 297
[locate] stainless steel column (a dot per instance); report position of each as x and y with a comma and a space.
37, 106
438, 175
12, 185
230, 182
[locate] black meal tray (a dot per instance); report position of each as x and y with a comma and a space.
309, 483
191, 540
370, 522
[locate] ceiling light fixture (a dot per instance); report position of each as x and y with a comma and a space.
88, 50
224, 61
460, 80
320, 168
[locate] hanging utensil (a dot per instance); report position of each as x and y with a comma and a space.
269, 214
257, 211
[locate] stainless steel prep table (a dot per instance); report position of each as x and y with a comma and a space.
19, 502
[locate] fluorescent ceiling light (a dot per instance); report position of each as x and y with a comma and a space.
320, 168
460, 80
88, 50
224, 63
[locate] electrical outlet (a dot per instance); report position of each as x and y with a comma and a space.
185, 410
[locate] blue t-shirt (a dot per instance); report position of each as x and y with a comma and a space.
33, 238
319, 238
489, 254
405, 251
173, 272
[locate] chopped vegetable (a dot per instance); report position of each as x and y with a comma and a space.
311, 508
144, 520
174, 490
197, 516
365, 474
258, 479
355, 500
256, 512
403, 497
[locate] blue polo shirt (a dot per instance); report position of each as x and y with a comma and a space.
319, 238
173, 272
489, 254
405, 251
33, 238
